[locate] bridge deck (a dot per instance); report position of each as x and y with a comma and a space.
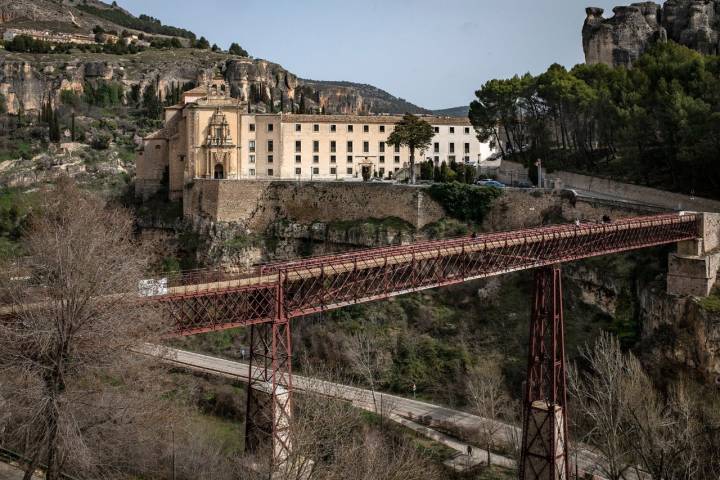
332, 281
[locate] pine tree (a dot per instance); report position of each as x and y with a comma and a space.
54, 133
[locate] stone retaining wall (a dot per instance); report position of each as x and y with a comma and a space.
626, 191
256, 204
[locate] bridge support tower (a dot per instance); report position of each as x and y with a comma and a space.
545, 431
269, 390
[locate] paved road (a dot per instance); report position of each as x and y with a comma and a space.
399, 409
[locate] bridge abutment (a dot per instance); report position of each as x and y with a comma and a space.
693, 269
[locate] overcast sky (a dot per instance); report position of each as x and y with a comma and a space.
434, 53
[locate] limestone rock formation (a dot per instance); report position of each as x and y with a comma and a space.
28, 80
621, 39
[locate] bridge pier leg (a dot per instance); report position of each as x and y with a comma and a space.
545, 437
269, 392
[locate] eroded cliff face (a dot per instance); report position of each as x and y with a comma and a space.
621, 39
29, 80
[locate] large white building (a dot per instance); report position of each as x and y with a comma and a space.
211, 135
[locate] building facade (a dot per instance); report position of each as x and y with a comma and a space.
212, 135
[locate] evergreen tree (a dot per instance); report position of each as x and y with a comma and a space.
151, 102
54, 133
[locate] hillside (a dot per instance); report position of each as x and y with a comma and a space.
26, 80
72, 16
461, 111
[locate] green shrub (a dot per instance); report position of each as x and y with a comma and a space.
464, 202
711, 303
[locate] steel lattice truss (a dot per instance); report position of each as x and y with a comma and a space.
272, 295
215, 300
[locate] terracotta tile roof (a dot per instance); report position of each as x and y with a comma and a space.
370, 119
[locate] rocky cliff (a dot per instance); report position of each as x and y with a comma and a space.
621, 39
27, 80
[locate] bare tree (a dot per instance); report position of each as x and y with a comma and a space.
67, 343
604, 401
489, 399
368, 359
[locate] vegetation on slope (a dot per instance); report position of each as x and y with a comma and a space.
144, 23
655, 124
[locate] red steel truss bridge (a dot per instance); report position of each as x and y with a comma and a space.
267, 298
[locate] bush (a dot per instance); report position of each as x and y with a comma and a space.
464, 202
101, 141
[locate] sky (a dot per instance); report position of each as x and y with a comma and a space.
434, 53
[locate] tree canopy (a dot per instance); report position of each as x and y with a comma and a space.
657, 124
414, 133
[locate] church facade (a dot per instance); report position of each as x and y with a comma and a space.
211, 135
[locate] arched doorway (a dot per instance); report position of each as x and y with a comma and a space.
219, 172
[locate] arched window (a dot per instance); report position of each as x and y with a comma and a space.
219, 172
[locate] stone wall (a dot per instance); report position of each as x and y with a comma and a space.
626, 191
255, 204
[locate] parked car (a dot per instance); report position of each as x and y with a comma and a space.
490, 183
524, 185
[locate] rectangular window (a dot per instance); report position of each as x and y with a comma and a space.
349, 146
452, 129
437, 129
333, 159
252, 172
298, 127
316, 170
316, 127
382, 158
316, 145
270, 172
396, 169
251, 145
316, 158
467, 148
350, 128
349, 158
298, 146
381, 147
333, 170
467, 130
333, 128
436, 147
252, 158
366, 128
333, 146
298, 159
270, 128
437, 160
366, 147
382, 128
349, 170
451, 158
397, 148
382, 171
298, 171
452, 147
270, 159
252, 127
270, 146
397, 158
466, 159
